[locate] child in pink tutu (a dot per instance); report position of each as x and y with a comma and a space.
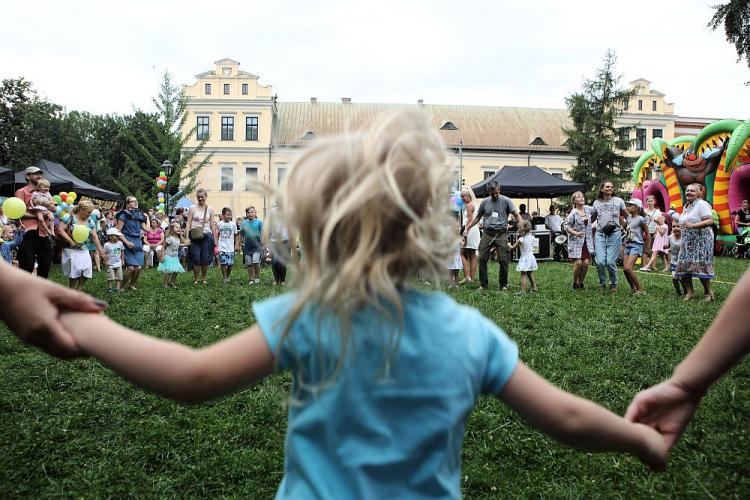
170, 263
660, 248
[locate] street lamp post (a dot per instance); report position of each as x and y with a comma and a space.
167, 168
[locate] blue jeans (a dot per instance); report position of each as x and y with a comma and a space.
607, 252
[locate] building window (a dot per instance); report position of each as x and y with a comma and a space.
626, 104
640, 104
625, 138
657, 132
227, 178
280, 174
207, 89
640, 139
227, 128
226, 89
251, 128
653, 105
488, 174
201, 131
251, 178
244, 89
557, 174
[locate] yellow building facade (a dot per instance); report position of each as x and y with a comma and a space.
253, 137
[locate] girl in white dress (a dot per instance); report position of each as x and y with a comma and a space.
526, 262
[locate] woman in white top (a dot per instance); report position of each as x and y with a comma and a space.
470, 245
696, 257
201, 250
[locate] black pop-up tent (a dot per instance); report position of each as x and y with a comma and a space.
6, 176
61, 179
527, 182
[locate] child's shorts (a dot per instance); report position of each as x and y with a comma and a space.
114, 273
226, 258
632, 248
252, 258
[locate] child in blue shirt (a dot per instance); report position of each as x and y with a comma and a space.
384, 376
11, 240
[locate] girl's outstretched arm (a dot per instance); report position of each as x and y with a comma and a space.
173, 370
579, 422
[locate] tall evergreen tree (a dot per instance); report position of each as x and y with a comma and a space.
594, 139
149, 139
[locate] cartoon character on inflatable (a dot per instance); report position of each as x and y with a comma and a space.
717, 158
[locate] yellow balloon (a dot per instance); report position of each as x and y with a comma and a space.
80, 233
14, 208
72, 196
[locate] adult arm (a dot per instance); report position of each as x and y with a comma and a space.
669, 406
120, 224
646, 235
578, 422
477, 218
173, 370
31, 308
62, 233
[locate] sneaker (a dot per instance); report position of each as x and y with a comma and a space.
257, 281
639, 292
251, 282
645, 269
111, 290
482, 288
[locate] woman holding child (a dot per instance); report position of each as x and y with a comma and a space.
76, 260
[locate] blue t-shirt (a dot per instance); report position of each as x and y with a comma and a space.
251, 231
386, 426
132, 220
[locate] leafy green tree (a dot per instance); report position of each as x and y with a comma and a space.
30, 127
594, 139
735, 17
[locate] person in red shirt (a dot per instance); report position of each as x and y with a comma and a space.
37, 244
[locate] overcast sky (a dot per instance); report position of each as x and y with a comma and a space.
108, 57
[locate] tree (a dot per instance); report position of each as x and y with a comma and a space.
594, 139
735, 16
30, 127
149, 139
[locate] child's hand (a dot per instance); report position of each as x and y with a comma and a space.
654, 448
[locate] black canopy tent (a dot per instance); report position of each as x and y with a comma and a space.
61, 179
527, 182
7, 177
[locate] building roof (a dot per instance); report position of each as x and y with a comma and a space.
479, 127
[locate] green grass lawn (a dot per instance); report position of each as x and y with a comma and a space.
74, 429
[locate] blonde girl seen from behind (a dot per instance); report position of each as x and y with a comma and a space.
384, 376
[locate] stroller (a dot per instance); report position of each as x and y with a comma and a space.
742, 248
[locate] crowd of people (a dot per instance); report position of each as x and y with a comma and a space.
123, 242
359, 341
608, 231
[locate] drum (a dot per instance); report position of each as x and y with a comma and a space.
560, 239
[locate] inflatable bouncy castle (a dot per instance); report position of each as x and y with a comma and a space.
718, 158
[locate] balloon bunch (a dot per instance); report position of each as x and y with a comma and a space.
161, 184
65, 201
456, 202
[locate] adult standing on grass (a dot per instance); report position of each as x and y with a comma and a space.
609, 215
696, 257
36, 246
469, 249
251, 242
131, 222
495, 210
76, 260
580, 238
202, 233
668, 407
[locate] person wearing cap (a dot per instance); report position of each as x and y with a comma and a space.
37, 244
114, 249
637, 238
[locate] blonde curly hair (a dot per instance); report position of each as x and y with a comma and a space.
371, 210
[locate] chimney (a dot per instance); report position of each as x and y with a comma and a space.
420, 103
313, 100
346, 100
